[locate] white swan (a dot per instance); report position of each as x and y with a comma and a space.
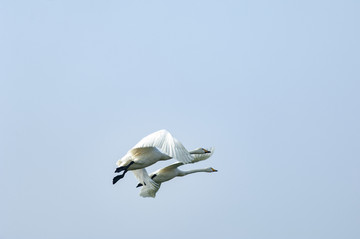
160, 145
154, 180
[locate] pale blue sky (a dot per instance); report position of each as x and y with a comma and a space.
273, 85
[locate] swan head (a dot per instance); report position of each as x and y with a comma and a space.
200, 151
211, 170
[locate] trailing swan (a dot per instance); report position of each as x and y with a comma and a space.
154, 180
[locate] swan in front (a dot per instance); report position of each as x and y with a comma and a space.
155, 179
158, 146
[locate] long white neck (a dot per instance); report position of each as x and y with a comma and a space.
183, 173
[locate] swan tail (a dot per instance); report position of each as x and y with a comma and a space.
150, 187
149, 191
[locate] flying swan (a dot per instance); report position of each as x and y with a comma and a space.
155, 179
160, 145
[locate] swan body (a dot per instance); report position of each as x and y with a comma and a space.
142, 157
154, 180
160, 145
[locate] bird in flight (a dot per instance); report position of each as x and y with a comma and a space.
158, 146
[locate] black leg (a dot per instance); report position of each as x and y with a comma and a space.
117, 178
119, 169
127, 167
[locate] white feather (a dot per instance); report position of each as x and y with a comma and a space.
149, 187
148, 192
167, 144
143, 177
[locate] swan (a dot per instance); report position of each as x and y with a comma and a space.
160, 145
154, 180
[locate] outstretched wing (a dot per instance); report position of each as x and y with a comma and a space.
167, 144
170, 167
143, 177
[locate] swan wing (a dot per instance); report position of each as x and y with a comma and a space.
143, 177
167, 144
201, 157
170, 167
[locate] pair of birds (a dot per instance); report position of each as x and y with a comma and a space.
158, 146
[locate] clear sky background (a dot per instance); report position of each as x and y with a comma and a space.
273, 85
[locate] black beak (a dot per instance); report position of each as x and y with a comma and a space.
139, 185
207, 151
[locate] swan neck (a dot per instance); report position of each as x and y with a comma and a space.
183, 173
